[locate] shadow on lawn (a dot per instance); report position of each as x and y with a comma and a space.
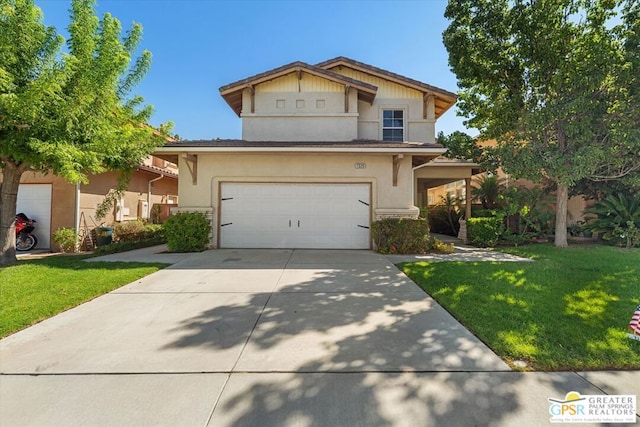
78, 262
372, 357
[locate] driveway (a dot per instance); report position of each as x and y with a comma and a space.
269, 338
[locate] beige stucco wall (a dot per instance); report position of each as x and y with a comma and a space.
92, 194
309, 109
387, 200
300, 127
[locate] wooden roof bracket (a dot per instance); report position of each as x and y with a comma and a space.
397, 159
191, 160
346, 98
252, 93
299, 75
428, 106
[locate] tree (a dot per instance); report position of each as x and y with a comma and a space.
555, 82
459, 145
67, 113
488, 189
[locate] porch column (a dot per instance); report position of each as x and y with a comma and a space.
467, 191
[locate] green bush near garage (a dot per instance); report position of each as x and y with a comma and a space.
187, 232
405, 236
66, 238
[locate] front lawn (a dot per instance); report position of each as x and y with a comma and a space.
31, 291
568, 310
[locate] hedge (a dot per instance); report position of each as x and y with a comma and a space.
483, 231
187, 232
401, 236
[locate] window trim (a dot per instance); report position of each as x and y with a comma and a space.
404, 123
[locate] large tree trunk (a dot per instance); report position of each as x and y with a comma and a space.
11, 174
562, 197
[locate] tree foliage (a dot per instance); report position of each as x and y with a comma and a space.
555, 82
70, 113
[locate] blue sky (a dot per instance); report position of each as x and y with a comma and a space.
200, 45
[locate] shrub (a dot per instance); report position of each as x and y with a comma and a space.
484, 231
65, 238
401, 236
618, 218
445, 216
441, 247
187, 232
128, 246
133, 231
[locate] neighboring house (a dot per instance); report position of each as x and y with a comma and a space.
55, 203
326, 149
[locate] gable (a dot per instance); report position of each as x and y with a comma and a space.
306, 83
443, 99
233, 92
386, 88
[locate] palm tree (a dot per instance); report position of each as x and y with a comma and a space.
617, 217
488, 190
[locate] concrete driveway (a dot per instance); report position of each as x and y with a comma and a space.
268, 338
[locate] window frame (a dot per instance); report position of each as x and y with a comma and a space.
403, 128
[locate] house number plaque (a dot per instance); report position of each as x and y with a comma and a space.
360, 165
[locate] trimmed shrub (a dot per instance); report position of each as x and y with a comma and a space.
401, 236
65, 238
484, 231
133, 231
187, 232
128, 246
441, 247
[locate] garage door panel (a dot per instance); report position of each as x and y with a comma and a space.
295, 215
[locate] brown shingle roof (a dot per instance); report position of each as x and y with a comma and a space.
358, 143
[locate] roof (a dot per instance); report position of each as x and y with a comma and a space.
357, 143
420, 152
158, 171
232, 92
444, 98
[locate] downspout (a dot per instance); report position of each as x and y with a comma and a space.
149, 194
77, 215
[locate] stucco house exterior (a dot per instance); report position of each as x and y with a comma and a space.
55, 203
326, 149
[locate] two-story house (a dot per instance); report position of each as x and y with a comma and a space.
326, 149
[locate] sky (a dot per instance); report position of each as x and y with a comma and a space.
200, 45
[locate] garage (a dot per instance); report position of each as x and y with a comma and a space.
34, 200
279, 215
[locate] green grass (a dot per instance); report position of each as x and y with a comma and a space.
31, 291
568, 310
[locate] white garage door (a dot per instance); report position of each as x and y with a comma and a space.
321, 216
34, 200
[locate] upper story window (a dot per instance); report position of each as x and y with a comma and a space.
393, 125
